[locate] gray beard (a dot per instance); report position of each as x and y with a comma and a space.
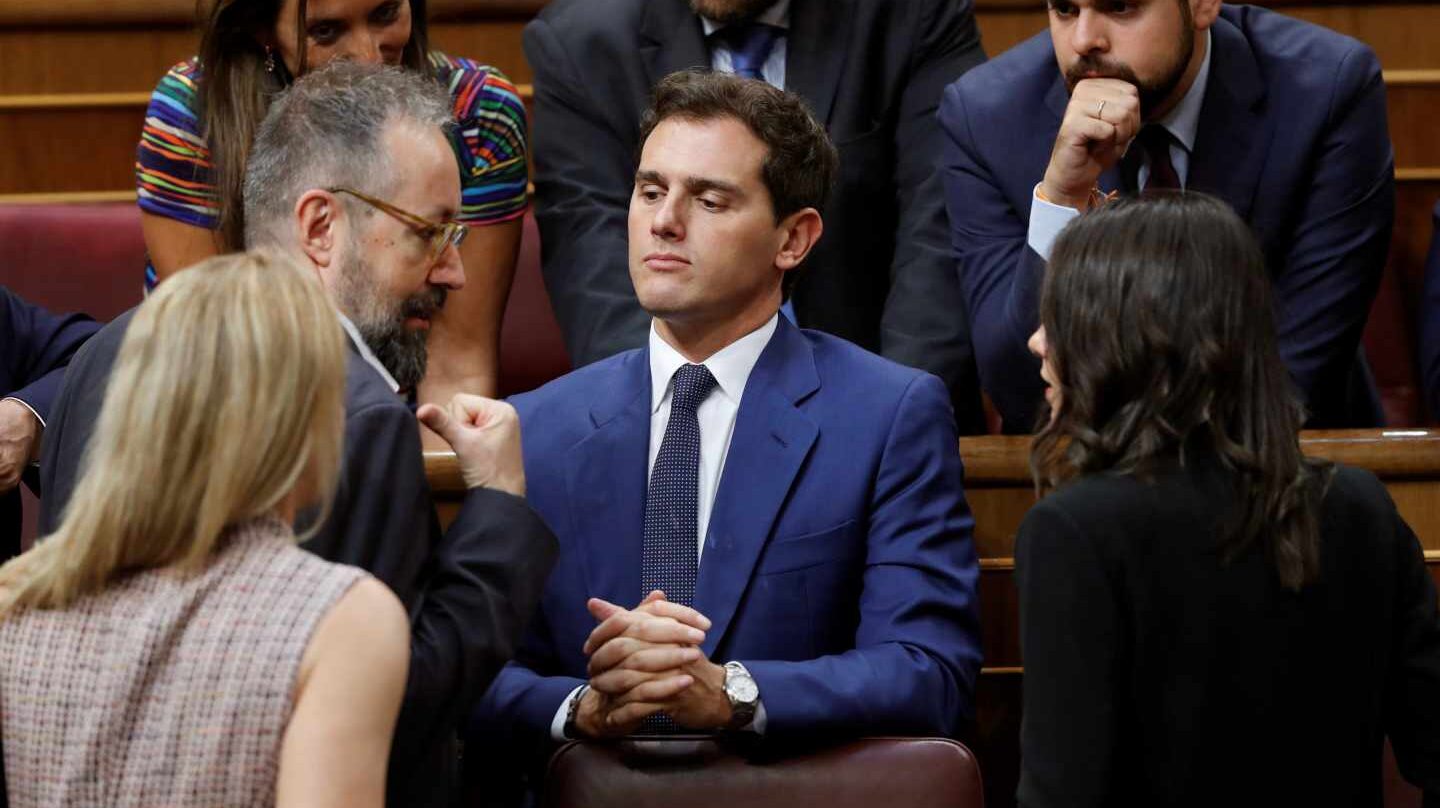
382, 326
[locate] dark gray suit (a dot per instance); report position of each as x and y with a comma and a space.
470, 590
872, 71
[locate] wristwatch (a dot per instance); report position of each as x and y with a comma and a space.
743, 693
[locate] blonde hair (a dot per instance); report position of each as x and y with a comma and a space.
226, 397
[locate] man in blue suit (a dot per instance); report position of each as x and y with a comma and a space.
1282, 119
35, 347
796, 499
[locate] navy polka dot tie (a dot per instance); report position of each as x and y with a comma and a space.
670, 558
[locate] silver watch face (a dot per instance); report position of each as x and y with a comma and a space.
743, 689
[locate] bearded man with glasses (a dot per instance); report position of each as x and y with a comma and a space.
351, 174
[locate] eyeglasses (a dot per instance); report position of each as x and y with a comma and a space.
439, 235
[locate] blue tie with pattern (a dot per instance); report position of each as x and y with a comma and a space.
670, 555
749, 44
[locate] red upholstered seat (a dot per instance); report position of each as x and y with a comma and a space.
88, 258
909, 772
91, 258
1391, 334
532, 351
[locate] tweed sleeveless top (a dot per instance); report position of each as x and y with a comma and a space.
165, 689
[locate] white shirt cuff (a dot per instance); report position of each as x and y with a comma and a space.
757, 724
557, 724
1047, 219
28, 407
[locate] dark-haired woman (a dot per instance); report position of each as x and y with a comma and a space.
203, 116
1207, 617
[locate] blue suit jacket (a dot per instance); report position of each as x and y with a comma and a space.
1430, 325
838, 565
1292, 134
35, 346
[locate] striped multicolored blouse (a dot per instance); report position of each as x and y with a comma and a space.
173, 169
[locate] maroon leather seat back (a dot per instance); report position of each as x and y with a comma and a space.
532, 351
909, 772
1391, 334
88, 258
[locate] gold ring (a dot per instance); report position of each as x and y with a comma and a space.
1100, 110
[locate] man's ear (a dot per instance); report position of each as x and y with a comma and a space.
317, 221
800, 230
1203, 13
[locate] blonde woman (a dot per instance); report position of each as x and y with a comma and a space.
169, 644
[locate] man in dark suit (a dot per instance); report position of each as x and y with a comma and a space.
470, 590
1283, 120
1430, 325
872, 71
796, 500
35, 346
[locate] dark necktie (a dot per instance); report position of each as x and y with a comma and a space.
1153, 143
670, 555
749, 44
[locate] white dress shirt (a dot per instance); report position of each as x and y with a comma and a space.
721, 57
731, 368
1048, 219
365, 353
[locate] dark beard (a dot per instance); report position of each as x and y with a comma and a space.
729, 12
403, 352
1152, 94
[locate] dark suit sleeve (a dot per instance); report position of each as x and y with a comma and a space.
38, 345
924, 324
1412, 694
1430, 325
1000, 275
1071, 639
1337, 254
482, 590
519, 708
917, 646
584, 170
469, 591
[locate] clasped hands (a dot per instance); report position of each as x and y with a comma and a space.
648, 660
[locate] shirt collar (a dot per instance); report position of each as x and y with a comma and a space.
365, 353
777, 15
730, 365
1184, 120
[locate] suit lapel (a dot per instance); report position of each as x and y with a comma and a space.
815, 51
772, 438
1229, 144
671, 39
605, 478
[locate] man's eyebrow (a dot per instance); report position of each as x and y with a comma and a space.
648, 175
699, 185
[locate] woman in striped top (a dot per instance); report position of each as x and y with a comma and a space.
202, 118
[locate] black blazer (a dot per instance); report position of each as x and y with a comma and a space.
35, 346
1156, 675
872, 70
470, 590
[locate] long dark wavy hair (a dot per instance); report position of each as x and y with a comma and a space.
1159, 324
236, 88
